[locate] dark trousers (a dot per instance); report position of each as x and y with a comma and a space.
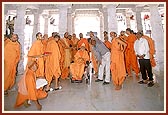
146, 68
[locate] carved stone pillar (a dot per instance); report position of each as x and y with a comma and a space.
69, 22
101, 26
63, 10
105, 16
36, 26
138, 18
157, 35
73, 24
112, 20
19, 27
45, 23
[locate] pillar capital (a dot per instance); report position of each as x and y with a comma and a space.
110, 6
138, 9
45, 14
64, 6
153, 5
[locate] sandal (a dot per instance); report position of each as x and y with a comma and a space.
5, 92
142, 82
48, 90
150, 84
58, 88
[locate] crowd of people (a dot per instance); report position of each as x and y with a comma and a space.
54, 58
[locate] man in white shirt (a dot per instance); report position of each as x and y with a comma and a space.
141, 47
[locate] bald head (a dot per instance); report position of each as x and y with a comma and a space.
113, 34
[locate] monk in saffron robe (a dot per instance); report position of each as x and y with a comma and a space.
11, 59
93, 58
6, 40
27, 87
74, 46
117, 61
36, 53
122, 36
83, 40
107, 43
68, 56
77, 68
130, 56
70, 42
61, 46
151, 49
44, 41
52, 68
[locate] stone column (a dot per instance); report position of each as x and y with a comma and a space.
112, 20
69, 22
128, 14
73, 24
36, 26
19, 27
157, 35
138, 18
105, 16
101, 26
45, 23
63, 10
4, 24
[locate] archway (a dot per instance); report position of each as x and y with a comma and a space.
85, 23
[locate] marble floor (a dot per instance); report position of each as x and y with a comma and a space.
95, 97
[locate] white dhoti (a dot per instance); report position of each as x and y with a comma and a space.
105, 64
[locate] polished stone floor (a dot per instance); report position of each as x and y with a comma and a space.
82, 97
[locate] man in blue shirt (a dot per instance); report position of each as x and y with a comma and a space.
102, 55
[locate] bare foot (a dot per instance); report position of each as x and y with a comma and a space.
118, 87
39, 107
26, 104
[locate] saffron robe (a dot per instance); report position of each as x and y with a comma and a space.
117, 63
77, 68
130, 56
27, 89
35, 50
151, 49
108, 44
11, 59
52, 65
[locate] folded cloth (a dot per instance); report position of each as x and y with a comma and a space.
40, 83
